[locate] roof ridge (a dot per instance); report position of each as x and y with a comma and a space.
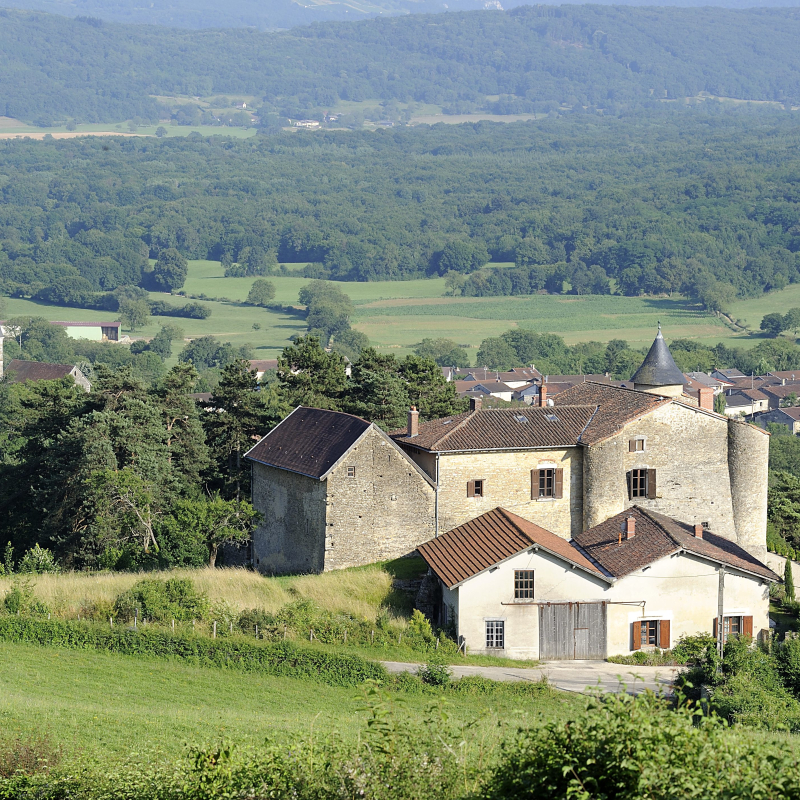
507, 516
469, 416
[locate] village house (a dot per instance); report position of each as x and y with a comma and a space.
335, 491
596, 451
637, 581
745, 402
790, 417
19, 371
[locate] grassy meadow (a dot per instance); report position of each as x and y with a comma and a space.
107, 707
396, 315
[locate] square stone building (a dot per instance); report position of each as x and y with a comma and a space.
335, 491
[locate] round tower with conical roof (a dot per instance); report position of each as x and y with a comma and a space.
659, 374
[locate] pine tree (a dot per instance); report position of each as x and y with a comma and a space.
788, 580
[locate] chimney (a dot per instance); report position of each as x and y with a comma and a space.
698, 530
706, 394
475, 403
542, 395
413, 422
630, 527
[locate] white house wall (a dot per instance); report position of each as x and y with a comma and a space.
681, 588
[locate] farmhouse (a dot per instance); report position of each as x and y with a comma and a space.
335, 491
96, 331
19, 371
637, 581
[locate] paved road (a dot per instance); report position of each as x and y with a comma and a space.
571, 676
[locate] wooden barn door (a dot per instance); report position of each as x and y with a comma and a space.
569, 631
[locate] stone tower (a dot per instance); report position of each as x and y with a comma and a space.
659, 374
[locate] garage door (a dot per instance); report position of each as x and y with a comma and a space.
572, 631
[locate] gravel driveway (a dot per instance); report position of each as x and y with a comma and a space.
570, 676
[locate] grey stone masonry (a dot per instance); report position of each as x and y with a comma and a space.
374, 504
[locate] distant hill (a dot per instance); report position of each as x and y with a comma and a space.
528, 59
278, 14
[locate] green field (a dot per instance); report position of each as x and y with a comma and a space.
110, 707
396, 315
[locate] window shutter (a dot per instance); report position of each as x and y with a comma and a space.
637, 635
470, 488
663, 634
631, 445
534, 484
747, 626
716, 620
558, 483
629, 477
651, 484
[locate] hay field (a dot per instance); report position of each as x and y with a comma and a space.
360, 592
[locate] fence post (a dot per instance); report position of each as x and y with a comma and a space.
231, 627
215, 629
400, 638
437, 642
173, 626
111, 622
311, 637
284, 633
372, 637
345, 635
134, 621
256, 631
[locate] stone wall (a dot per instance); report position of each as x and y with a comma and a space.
688, 449
748, 465
291, 537
604, 484
382, 511
507, 477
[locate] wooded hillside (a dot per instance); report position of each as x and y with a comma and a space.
527, 59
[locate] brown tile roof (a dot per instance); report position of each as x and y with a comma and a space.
787, 374
21, 371
752, 394
488, 539
263, 364
487, 386
793, 412
782, 391
501, 429
658, 536
616, 407
309, 441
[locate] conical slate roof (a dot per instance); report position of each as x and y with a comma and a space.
658, 367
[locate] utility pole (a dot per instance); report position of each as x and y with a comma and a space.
720, 611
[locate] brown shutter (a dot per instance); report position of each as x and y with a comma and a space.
534, 484
663, 634
716, 620
470, 488
747, 626
637, 635
558, 483
631, 445
651, 484
629, 477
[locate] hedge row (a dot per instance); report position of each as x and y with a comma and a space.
247, 655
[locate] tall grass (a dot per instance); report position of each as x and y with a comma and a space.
359, 592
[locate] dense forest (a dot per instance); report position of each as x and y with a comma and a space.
541, 58
687, 201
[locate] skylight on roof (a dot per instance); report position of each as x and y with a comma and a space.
447, 422
551, 417
520, 418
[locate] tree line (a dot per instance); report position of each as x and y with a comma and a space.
140, 475
701, 203
530, 59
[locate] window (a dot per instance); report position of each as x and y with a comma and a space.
495, 634
351, 472
636, 445
735, 626
476, 488
651, 633
547, 482
642, 483
523, 584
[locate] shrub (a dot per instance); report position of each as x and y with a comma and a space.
787, 657
29, 755
162, 601
695, 649
247, 655
627, 748
38, 560
435, 673
256, 619
20, 599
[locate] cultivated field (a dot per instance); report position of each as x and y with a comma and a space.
396, 315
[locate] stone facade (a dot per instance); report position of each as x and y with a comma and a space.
708, 469
508, 483
375, 504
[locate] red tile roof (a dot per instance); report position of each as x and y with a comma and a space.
309, 441
501, 429
616, 407
490, 538
656, 537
